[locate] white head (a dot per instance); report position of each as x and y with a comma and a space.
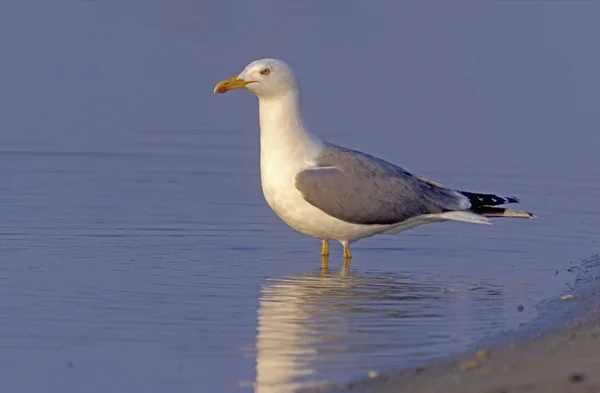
265, 77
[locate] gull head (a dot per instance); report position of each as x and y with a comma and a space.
265, 78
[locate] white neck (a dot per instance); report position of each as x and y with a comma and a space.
285, 148
282, 132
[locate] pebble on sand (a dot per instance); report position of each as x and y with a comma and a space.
470, 365
577, 377
566, 297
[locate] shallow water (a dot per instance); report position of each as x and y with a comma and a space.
137, 252
123, 271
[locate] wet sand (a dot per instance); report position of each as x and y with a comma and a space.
563, 362
562, 356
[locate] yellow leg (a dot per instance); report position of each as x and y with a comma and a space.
324, 263
325, 248
347, 253
346, 264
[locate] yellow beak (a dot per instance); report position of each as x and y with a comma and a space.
230, 84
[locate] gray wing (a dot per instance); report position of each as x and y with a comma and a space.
358, 188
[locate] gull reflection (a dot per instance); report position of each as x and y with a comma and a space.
313, 326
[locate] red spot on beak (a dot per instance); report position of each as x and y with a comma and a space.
222, 90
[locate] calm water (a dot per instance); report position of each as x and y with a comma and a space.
137, 252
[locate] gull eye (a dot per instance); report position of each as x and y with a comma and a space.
265, 71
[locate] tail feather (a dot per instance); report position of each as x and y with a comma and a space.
464, 216
491, 211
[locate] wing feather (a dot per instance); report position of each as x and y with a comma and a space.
358, 188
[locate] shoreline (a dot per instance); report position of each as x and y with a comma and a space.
558, 352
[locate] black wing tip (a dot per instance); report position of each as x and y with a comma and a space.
512, 199
478, 199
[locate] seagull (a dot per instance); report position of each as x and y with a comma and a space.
330, 192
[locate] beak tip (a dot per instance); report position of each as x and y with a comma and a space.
229, 84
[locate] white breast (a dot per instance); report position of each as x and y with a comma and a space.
279, 163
